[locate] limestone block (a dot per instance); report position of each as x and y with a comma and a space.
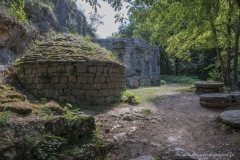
90, 80
29, 80
53, 64
102, 79
108, 79
50, 93
41, 70
110, 70
78, 86
114, 70
69, 68
103, 93
48, 86
108, 99
40, 86
61, 92
76, 92
28, 71
98, 74
82, 80
106, 70
96, 86
70, 99
82, 68
31, 75
67, 92
104, 86
110, 85
52, 69
55, 80
60, 86
34, 86
71, 85
113, 79
96, 79
86, 86
93, 93
133, 82
63, 80
61, 68
72, 79
92, 69
100, 69
105, 75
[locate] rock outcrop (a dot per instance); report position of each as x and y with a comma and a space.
57, 15
46, 131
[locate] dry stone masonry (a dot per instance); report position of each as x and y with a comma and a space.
142, 60
95, 82
72, 70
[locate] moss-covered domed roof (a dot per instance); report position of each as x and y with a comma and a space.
65, 47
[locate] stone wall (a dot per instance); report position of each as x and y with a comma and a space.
142, 60
93, 82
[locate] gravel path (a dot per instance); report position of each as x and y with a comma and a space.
173, 127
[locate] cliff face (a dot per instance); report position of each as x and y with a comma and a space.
44, 16
58, 15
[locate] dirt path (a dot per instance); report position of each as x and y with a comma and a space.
170, 124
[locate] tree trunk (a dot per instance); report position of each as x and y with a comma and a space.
166, 61
219, 56
229, 58
235, 56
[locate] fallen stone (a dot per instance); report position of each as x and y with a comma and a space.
17, 107
148, 157
119, 136
54, 106
128, 118
231, 117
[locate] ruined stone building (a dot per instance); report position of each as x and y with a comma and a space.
142, 60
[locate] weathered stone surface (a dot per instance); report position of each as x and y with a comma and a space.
133, 82
135, 51
231, 117
148, 157
72, 79
54, 106
64, 80
87, 86
220, 100
17, 107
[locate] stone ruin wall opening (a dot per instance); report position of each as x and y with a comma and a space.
142, 60
94, 82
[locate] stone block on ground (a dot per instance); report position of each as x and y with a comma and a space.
54, 106
231, 117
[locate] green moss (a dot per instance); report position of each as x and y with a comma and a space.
4, 118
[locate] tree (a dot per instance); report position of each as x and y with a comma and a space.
183, 26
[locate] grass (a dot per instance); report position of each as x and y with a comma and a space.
153, 94
225, 127
145, 112
179, 79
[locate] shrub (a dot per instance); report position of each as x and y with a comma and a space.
215, 75
179, 79
162, 83
129, 97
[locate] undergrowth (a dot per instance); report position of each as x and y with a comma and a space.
179, 79
129, 97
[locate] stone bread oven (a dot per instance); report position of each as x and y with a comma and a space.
72, 78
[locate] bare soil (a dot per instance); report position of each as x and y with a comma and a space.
173, 125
